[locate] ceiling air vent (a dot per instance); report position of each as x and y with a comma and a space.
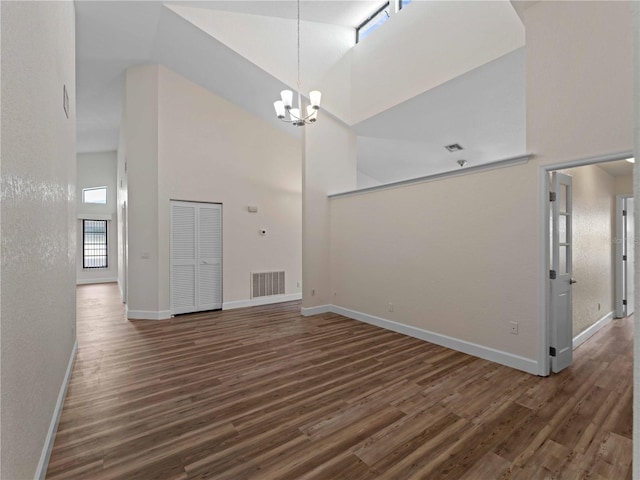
454, 147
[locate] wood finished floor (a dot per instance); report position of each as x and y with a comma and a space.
263, 393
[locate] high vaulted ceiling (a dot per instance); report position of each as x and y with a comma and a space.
483, 109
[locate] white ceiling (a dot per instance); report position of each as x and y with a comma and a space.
483, 110
619, 168
336, 12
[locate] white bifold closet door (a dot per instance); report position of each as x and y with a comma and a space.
196, 257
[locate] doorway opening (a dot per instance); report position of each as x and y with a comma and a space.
582, 269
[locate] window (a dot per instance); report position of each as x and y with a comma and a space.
373, 22
94, 244
94, 195
404, 3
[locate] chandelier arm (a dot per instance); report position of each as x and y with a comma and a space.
299, 119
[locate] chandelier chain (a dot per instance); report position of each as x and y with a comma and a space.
298, 117
299, 104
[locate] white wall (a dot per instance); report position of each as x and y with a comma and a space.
329, 167
461, 256
405, 56
624, 185
97, 170
594, 209
207, 150
140, 130
579, 79
212, 151
446, 254
37, 225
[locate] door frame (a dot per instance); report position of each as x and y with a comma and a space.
544, 249
198, 202
621, 234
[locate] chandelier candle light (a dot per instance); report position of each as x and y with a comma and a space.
284, 106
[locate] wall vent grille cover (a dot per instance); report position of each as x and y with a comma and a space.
454, 147
265, 284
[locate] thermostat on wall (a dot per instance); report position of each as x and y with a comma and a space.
252, 208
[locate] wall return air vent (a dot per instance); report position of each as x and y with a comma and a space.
265, 284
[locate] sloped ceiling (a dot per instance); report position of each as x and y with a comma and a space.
113, 36
483, 110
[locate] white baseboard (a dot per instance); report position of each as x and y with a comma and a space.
41, 471
89, 281
503, 358
589, 332
307, 312
254, 302
148, 314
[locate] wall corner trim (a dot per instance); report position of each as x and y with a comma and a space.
592, 330
503, 358
254, 302
307, 312
148, 314
507, 162
41, 470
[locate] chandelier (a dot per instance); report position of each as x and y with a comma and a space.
284, 107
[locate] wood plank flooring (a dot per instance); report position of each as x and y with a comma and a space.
262, 393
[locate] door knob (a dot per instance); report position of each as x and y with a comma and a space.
572, 281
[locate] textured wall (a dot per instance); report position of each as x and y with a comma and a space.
594, 203
636, 187
37, 224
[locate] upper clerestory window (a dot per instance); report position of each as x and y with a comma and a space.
374, 21
94, 195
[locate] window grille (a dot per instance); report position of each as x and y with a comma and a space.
94, 244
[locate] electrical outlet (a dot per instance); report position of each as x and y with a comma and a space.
313, 292
599, 307
298, 284
514, 328
390, 307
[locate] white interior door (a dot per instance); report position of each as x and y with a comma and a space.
209, 244
196, 257
629, 254
561, 325
125, 244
